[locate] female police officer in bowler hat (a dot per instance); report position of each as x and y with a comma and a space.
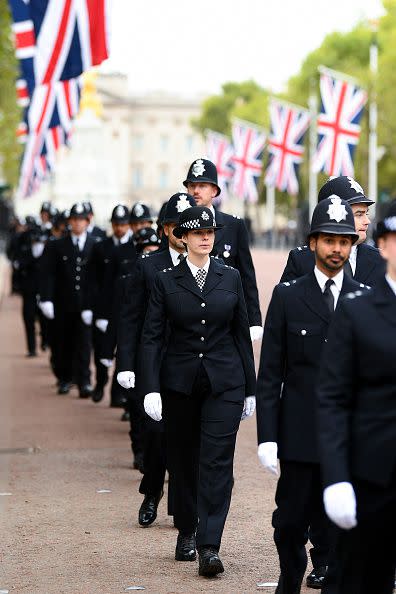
203, 386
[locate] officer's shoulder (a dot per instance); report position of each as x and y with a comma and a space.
363, 291
220, 262
299, 250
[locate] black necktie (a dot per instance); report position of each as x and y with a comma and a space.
181, 257
328, 295
348, 269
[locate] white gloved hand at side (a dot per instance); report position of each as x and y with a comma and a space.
37, 249
268, 456
249, 406
47, 307
340, 504
256, 333
86, 316
126, 379
102, 324
107, 362
153, 405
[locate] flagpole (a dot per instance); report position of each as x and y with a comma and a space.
270, 211
373, 158
313, 176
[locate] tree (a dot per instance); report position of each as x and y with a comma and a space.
10, 115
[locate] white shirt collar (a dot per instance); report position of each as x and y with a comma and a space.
80, 239
322, 279
90, 227
391, 283
352, 258
194, 269
175, 256
125, 238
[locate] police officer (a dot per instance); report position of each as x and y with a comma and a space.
232, 242
295, 330
357, 431
140, 217
132, 314
202, 377
66, 295
101, 260
97, 232
147, 240
365, 264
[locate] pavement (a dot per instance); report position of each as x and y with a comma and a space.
69, 497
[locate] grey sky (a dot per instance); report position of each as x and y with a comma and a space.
193, 46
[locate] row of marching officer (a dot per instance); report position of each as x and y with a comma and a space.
187, 317
326, 400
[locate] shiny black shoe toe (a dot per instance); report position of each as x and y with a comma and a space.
185, 547
209, 562
148, 509
86, 391
97, 394
125, 416
316, 578
64, 387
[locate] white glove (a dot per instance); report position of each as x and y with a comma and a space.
86, 316
47, 307
37, 249
107, 362
126, 379
256, 333
102, 325
268, 456
249, 406
153, 405
340, 505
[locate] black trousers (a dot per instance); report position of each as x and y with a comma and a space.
319, 537
102, 374
201, 432
365, 557
154, 462
73, 347
29, 314
299, 500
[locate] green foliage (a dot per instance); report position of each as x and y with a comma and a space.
10, 115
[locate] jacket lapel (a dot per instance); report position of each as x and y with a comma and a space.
219, 232
364, 263
313, 298
213, 278
184, 278
385, 300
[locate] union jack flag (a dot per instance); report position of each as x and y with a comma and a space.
219, 150
285, 145
248, 141
55, 40
338, 123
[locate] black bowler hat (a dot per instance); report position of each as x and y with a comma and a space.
196, 217
388, 225
204, 171
120, 214
46, 207
177, 204
334, 216
346, 188
147, 236
78, 211
140, 212
88, 207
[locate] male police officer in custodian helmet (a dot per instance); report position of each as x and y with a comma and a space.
231, 241
295, 331
357, 428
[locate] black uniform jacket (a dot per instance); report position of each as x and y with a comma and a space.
100, 262
209, 328
64, 275
97, 233
136, 295
232, 245
370, 266
295, 332
357, 390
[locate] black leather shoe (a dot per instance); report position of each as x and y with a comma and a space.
282, 588
316, 578
138, 462
31, 354
209, 562
185, 547
64, 387
148, 509
97, 394
86, 391
125, 416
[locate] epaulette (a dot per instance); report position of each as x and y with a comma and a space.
166, 269
364, 286
302, 247
289, 283
236, 217
145, 256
